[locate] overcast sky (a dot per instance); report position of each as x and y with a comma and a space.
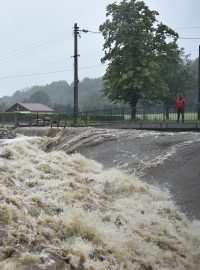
36, 45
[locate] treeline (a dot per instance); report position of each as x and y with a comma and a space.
59, 95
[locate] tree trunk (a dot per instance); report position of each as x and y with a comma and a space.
133, 104
167, 112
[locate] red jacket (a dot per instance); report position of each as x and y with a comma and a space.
180, 103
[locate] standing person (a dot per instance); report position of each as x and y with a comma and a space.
180, 107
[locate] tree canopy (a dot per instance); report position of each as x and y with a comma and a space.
137, 48
40, 97
180, 79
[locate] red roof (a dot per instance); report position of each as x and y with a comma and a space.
36, 107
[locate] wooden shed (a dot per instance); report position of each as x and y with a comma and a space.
30, 108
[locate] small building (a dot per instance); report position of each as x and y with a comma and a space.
30, 108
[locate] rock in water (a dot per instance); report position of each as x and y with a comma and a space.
7, 133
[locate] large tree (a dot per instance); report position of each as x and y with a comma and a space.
179, 78
136, 47
192, 93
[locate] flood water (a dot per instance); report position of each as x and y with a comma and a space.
100, 199
165, 159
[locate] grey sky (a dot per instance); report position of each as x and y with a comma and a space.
36, 37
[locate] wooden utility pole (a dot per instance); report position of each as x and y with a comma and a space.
76, 32
199, 87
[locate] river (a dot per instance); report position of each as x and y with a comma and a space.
166, 159
100, 199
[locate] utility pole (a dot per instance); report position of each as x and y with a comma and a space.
76, 81
76, 32
199, 87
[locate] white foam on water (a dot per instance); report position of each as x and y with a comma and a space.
18, 139
126, 159
65, 211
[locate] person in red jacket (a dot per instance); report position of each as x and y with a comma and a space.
180, 107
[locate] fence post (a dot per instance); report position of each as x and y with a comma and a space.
143, 111
123, 114
86, 118
65, 120
164, 112
16, 120
110, 115
58, 120
3, 118
198, 108
133, 113
37, 118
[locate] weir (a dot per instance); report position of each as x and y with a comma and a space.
164, 126
69, 201
167, 157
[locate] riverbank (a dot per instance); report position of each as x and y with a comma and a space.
150, 125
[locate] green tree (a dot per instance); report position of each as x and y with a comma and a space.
178, 77
40, 97
136, 46
60, 108
192, 93
2, 106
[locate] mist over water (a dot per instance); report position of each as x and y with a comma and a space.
65, 211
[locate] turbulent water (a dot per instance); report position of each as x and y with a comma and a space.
61, 210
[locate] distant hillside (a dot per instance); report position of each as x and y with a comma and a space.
59, 95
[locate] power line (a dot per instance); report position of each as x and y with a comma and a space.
38, 43
36, 47
193, 51
93, 66
77, 31
30, 50
33, 74
187, 28
33, 50
50, 64
186, 37
45, 73
189, 38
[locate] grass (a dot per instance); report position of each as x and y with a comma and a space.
160, 117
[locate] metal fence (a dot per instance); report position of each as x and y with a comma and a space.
140, 114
